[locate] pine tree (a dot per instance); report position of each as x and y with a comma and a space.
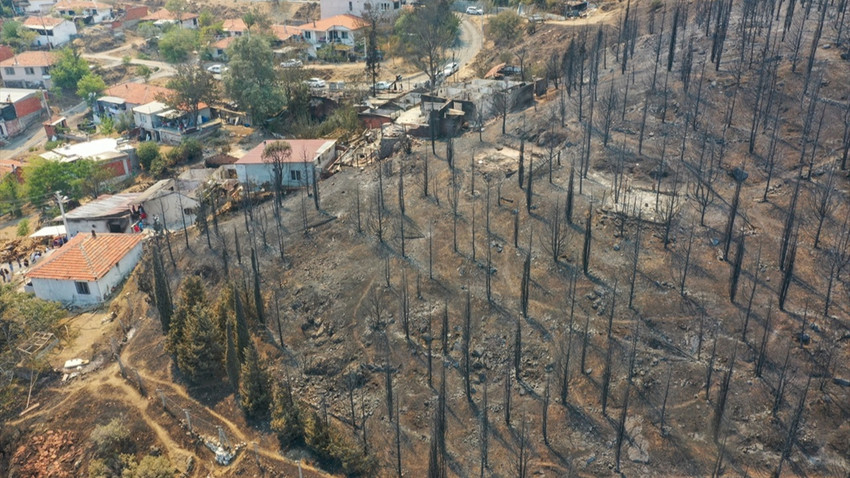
199, 354
258, 296
191, 295
254, 385
318, 437
242, 334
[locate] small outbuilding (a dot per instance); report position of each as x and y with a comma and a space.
172, 201
114, 214
87, 269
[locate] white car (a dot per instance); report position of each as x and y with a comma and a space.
382, 85
316, 83
450, 69
217, 69
474, 11
293, 63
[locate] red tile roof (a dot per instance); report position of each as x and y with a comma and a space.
31, 58
350, 22
224, 42
135, 13
6, 52
138, 93
28, 106
285, 32
163, 14
301, 148
43, 22
234, 25
85, 257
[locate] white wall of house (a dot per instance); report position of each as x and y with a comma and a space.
65, 291
25, 76
56, 36
40, 6
294, 174
172, 209
330, 8
79, 226
99, 15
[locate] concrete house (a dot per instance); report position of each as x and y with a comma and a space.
30, 69
336, 29
107, 213
172, 201
115, 155
164, 17
50, 31
87, 11
218, 49
38, 6
158, 122
19, 108
234, 27
299, 169
330, 8
120, 99
86, 270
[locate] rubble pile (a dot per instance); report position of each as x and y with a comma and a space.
51, 454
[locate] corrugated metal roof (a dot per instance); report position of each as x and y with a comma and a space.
104, 206
85, 257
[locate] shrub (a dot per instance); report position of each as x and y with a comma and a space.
149, 467
107, 125
147, 152
111, 438
51, 145
176, 45
23, 228
186, 152
504, 28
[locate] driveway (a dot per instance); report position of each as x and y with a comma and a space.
115, 57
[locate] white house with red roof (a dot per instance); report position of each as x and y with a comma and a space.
88, 269
120, 99
336, 29
219, 48
234, 27
387, 8
298, 168
50, 31
165, 17
30, 69
88, 11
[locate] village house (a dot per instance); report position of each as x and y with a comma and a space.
115, 155
165, 17
129, 16
234, 27
336, 29
218, 49
19, 108
87, 11
50, 31
120, 99
30, 69
299, 168
6, 52
34, 7
105, 214
159, 122
330, 8
172, 201
87, 269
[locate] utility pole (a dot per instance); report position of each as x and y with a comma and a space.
60, 199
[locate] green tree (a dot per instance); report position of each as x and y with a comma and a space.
15, 35
23, 228
199, 354
373, 59
319, 439
44, 177
144, 71
192, 85
253, 385
149, 467
287, 420
148, 30
89, 177
192, 295
425, 34
68, 69
505, 28
89, 86
147, 152
162, 294
231, 356
176, 45
252, 80
10, 195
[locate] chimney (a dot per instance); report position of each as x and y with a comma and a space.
93, 234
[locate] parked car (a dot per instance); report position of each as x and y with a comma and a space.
316, 83
217, 69
474, 11
450, 69
383, 85
292, 63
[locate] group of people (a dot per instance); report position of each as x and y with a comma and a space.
7, 274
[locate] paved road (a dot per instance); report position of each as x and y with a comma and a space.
20, 145
468, 45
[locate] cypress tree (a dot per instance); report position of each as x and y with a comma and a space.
200, 354
231, 358
254, 385
258, 297
286, 421
242, 334
162, 296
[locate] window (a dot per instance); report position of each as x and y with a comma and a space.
29, 71
295, 175
9, 71
350, 6
344, 34
45, 70
307, 35
82, 288
189, 211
